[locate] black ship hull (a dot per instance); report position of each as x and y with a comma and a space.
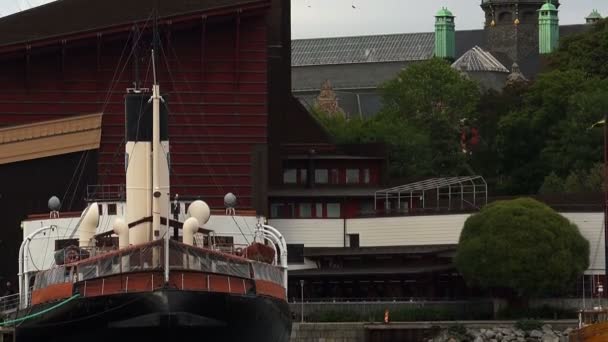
163, 315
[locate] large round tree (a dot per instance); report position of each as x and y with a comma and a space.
522, 245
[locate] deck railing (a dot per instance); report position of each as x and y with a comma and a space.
9, 303
149, 257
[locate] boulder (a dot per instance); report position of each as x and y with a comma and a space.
536, 334
549, 338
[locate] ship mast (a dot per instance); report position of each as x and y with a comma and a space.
156, 148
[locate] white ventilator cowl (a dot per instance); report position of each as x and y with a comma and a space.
199, 210
88, 225
190, 228
121, 229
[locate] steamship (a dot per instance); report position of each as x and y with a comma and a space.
150, 268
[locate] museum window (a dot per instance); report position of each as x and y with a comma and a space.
290, 176
352, 176
321, 176
333, 210
305, 210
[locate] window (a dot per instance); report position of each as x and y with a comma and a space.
335, 176
290, 176
61, 244
275, 209
303, 177
282, 210
352, 176
353, 240
333, 210
112, 209
319, 210
295, 254
367, 207
321, 176
305, 210
366, 176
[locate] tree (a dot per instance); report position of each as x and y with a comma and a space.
550, 132
552, 185
577, 181
521, 245
419, 121
431, 90
586, 51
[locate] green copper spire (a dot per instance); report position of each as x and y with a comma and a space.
445, 38
548, 28
594, 17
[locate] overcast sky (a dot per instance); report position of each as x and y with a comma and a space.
332, 18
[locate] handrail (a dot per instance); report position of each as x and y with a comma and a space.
9, 303
21, 319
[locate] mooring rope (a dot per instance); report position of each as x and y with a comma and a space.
24, 318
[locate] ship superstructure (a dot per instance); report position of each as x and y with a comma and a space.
147, 265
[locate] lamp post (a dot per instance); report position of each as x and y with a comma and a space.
605, 191
600, 291
302, 300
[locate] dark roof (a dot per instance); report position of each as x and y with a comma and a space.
66, 17
394, 48
478, 59
369, 271
363, 49
404, 47
350, 251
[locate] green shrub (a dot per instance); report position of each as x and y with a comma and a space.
528, 324
457, 329
543, 312
397, 315
335, 316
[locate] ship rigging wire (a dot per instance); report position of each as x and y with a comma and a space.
24, 318
179, 99
241, 230
204, 127
133, 39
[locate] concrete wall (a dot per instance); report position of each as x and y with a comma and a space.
407, 231
419, 230
312, 232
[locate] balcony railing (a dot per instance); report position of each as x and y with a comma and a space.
9, 303
106, 192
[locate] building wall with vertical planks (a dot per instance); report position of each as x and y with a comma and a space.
213, 72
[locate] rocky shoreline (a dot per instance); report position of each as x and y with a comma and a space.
499, 334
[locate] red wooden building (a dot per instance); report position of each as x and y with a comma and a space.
224, 69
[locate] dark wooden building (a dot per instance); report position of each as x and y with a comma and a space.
224, 69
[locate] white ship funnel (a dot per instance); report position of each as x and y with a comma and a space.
139, 166
88, 225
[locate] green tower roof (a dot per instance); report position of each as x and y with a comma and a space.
548, 7
595, 15
444, 12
